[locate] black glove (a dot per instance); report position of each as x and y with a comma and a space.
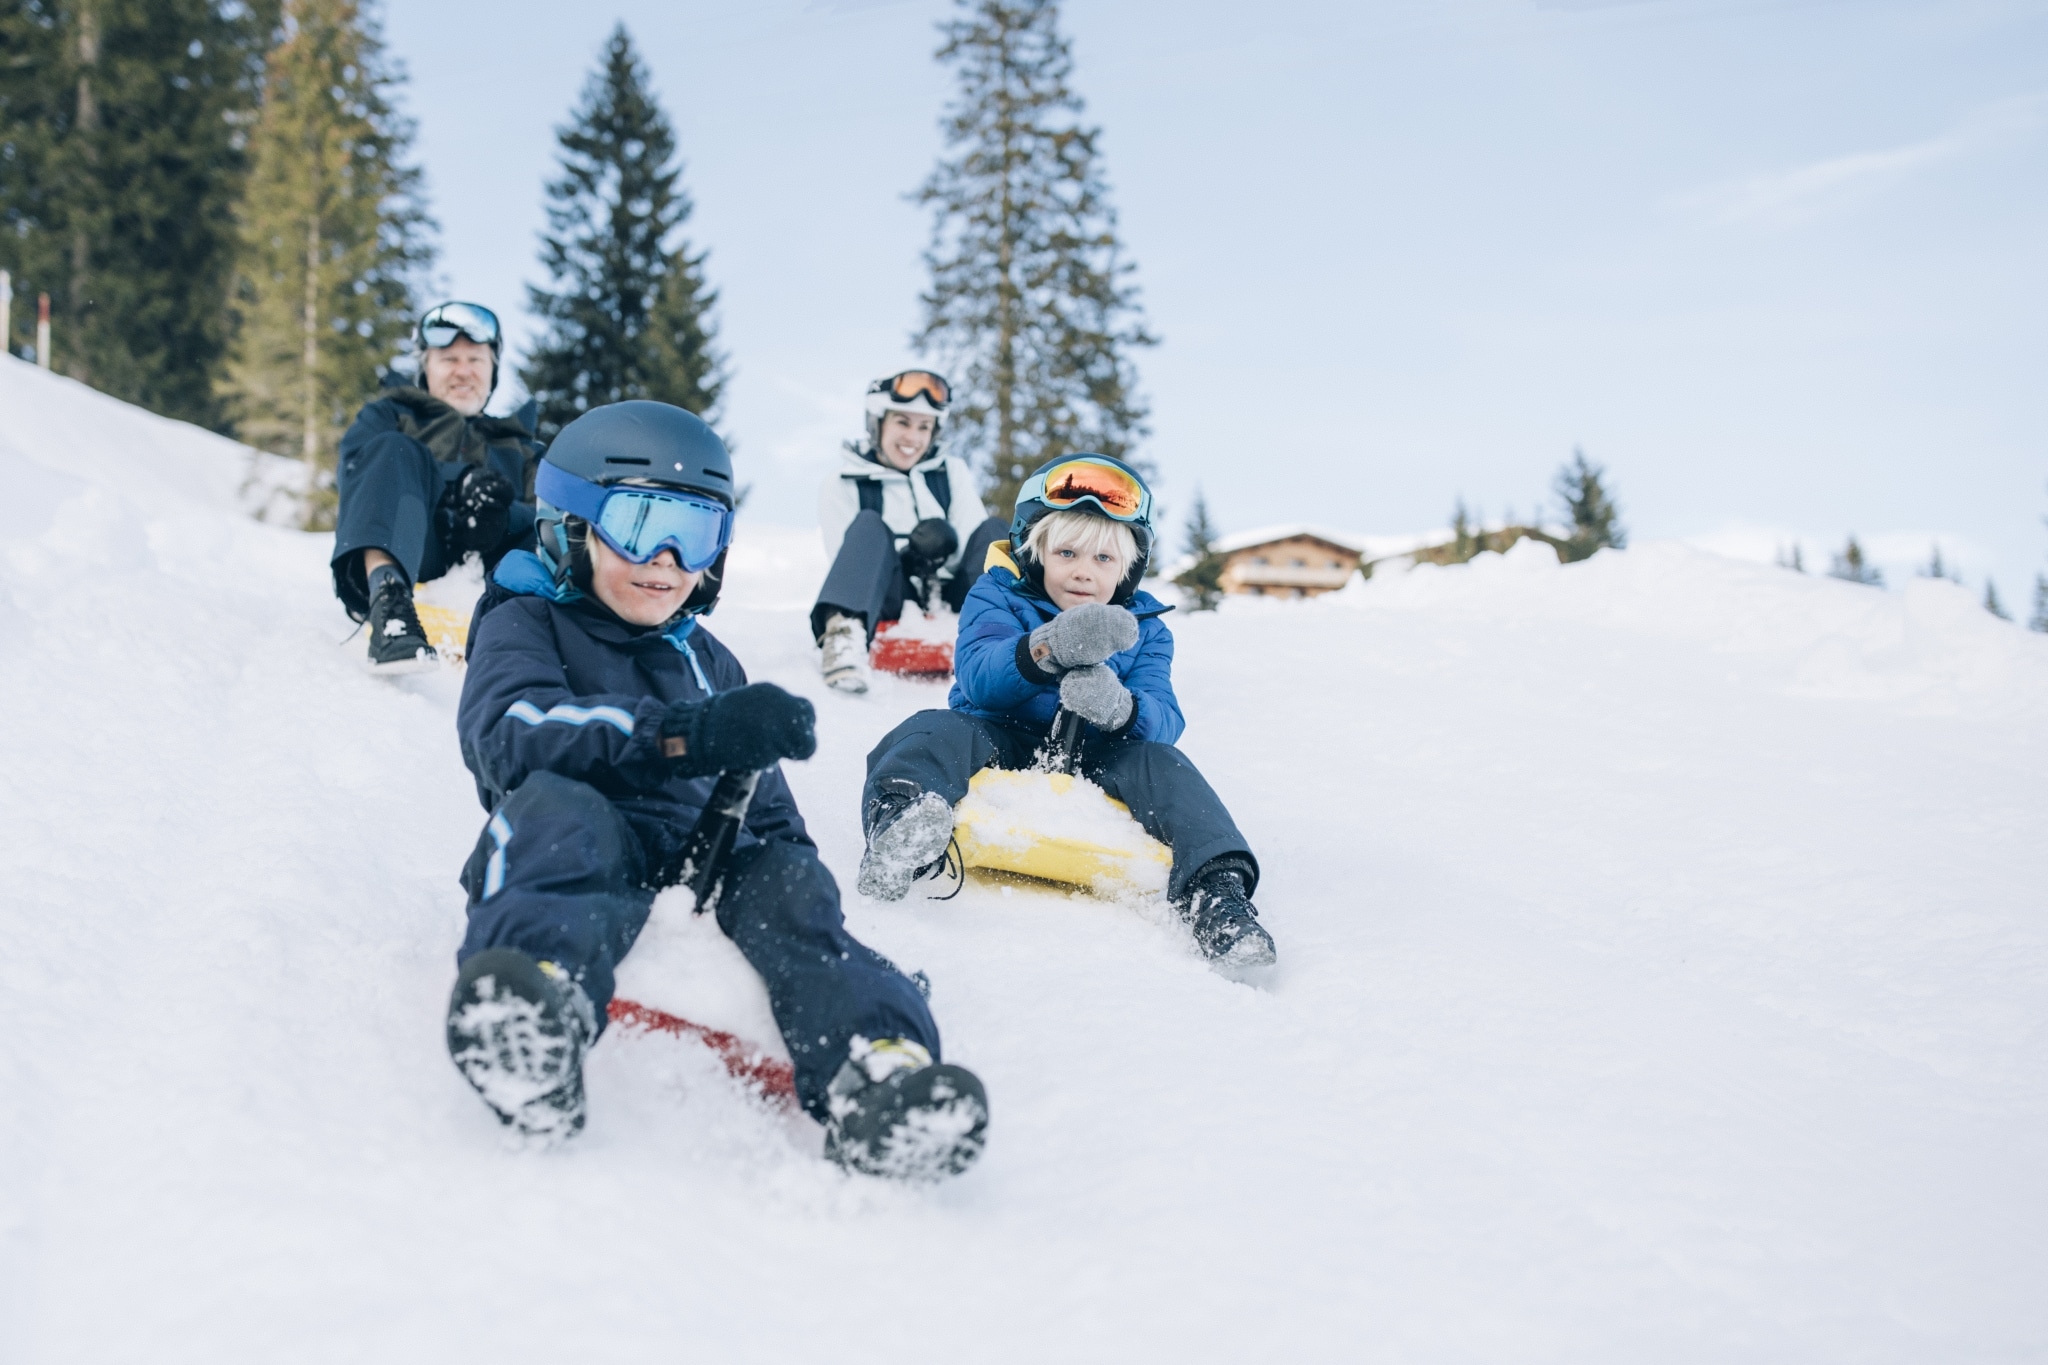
751, 727
932, 542
475, 512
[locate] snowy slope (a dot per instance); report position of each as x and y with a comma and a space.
1664, 979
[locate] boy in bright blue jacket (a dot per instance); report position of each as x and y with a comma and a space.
1061, 623
596, 716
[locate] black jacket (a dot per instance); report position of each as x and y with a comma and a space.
567, 687
505, 444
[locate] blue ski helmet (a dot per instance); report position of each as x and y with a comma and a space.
1094, 485
621, 448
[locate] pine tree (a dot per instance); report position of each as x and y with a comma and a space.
2039, 620
334, 237
1936, 567
1991, 602
1792, 557
1851, 567
630, 311
1468, 538
1203, 578
1594, 517
121, 124
1030, 302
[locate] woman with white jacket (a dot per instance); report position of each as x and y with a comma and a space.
902, 520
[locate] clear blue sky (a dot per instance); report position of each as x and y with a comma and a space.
1781, 267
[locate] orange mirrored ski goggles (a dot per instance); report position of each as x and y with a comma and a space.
1118, 492
911, 383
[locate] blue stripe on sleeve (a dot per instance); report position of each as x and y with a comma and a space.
573, 715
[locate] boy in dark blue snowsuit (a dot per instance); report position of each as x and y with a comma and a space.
596, 716
1057, 624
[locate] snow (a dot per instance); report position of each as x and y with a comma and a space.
1662, 978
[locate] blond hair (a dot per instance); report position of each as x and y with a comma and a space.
1085, 534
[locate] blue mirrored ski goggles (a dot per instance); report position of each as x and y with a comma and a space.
445, 322
639, 523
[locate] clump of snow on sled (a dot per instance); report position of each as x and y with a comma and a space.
445, 605
1058, 828
683, 965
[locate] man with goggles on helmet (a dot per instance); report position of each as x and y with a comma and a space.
425, 479
902, 522
597, 713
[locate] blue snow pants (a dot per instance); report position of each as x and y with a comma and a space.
939, 751
560, 873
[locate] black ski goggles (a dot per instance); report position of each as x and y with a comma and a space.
445, 322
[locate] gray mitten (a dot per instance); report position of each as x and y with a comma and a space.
1097, 695
1085, 635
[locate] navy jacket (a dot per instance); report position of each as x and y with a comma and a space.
504, 444
564, 686
995, 680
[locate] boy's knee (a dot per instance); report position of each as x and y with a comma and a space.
552, 794
555, 828
778, 887
1148, 758
936, 729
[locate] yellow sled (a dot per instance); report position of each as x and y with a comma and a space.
1056, 827
447, 629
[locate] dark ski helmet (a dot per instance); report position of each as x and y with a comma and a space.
1096, 485
442, 324
635, 444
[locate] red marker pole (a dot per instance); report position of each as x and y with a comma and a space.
43, 330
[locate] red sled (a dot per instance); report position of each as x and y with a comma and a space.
910, 652
775, 1077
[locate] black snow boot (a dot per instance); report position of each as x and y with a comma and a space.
909, 835
1224, 920
897, 1113
517, 1030
398, 642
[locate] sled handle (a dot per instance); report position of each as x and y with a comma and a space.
711, 838
1063, 746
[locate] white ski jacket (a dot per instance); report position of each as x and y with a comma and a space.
906, 497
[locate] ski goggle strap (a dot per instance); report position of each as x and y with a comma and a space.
639, 523
445, 322
912, 383
1117, 492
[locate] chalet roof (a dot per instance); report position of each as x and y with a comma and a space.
1267, 535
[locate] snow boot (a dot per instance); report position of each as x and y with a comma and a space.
843, 655
1225, 922
894, 1112
909, 837
517, 1031
398, 642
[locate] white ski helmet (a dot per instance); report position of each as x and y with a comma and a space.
924, 391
